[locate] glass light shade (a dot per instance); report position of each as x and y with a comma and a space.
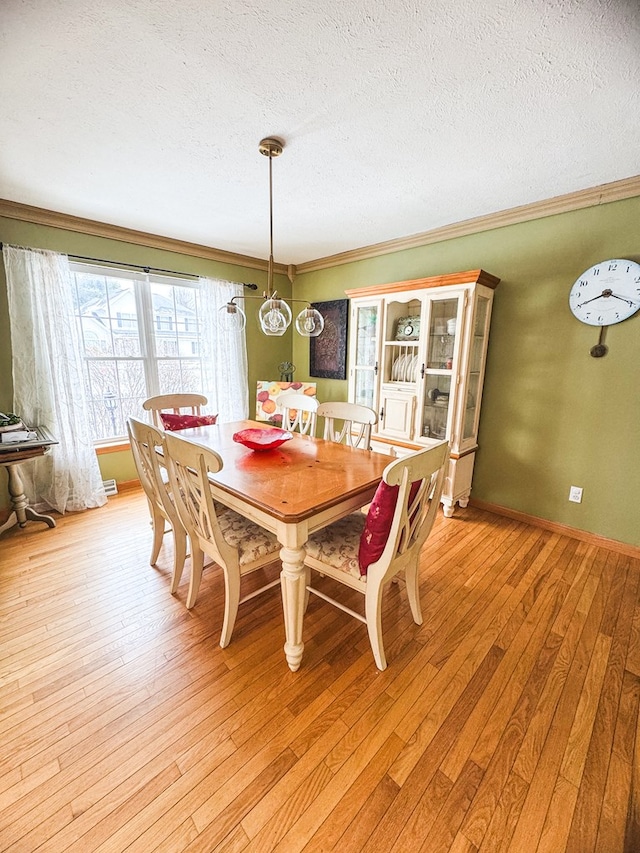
274, 317
231, 318
310, 323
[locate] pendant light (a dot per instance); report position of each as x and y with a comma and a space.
274, 315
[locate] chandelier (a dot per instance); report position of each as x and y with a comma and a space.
274, 315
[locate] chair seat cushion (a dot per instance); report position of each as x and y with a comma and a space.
174, 422
337, 545
252, 541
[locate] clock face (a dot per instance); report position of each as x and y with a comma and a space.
606, 293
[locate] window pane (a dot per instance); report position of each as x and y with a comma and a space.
121, 368
131, 381
107, 315
178, 375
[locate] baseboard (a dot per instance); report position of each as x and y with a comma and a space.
129, 485
563, 529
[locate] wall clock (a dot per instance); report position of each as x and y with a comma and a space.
606, 293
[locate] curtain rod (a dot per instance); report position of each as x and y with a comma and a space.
145, 268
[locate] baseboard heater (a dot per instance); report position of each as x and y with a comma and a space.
110, 487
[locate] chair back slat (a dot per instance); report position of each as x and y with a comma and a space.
298, 413
189, 467
144, 439
357, 422
174, 403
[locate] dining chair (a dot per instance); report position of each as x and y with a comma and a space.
174, 405
236, 544
298, 412
356, 421
144, 439
364, 553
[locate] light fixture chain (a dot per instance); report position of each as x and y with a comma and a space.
270, 270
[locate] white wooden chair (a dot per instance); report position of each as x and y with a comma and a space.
356, 422
144, 439
175, 404
298, 412
400, 518
236, 544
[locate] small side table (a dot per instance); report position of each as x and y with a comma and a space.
11, 457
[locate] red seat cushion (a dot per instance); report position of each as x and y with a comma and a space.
175, 422
378, 524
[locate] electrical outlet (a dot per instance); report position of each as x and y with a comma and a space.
575, 494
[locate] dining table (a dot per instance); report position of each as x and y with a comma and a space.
294, 490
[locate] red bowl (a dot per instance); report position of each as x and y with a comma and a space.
262, 439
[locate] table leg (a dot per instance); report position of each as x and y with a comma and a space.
293, 582
16, 492
22, 512
13, 519
32, 515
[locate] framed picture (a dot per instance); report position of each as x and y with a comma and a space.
268, 393
328, 352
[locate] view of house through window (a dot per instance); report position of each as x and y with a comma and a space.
140, 336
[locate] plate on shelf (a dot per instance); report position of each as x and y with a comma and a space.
416, 369
400, 371
405, 368
394, 369
408, 369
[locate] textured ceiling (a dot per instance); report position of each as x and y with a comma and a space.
398, 116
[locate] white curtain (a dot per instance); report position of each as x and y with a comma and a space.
48, 381
225, 354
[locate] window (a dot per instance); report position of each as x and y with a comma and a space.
164, 321
140, 335
125, 320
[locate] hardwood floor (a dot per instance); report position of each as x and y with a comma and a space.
507, 722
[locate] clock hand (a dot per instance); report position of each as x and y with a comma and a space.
622, 299
593, 298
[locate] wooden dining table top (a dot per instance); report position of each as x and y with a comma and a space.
298, 479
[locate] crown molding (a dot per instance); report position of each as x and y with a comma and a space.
41, 216
603, 194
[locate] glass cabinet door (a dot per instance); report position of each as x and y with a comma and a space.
441, 355
476, 369
364, 367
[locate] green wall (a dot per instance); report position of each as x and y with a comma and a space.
264, 354
552, 416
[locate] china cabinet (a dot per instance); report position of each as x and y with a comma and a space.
417, 357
